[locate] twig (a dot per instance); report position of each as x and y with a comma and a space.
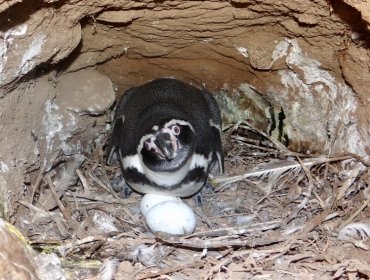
98, 198
218, 267
257, 143
258, 227
36, 209
352, 264
283, 251
102, 200
64, 211
250, 255
278, 144
203, 217
67, 248
354, 174
307, 194
360, 159
151, 274
197, 243
102, 185
84, 182
246, 142
354, 215
37, 184
257, 173
316, 221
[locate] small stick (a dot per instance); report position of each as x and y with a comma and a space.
67, 248
316, 221
255, 142
102, 185
37, 184
64, 211
354, 215
247, 229
278, 144
307, 194
197, 243
151, 274
118, 200
228, 179
98, 198
84, 182
270, 150
35, 208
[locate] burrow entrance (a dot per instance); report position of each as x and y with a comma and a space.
291, 81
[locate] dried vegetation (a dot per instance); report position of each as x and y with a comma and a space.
283, 214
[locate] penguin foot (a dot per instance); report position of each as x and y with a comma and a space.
126, 192
199, 198
208, 188
119, 186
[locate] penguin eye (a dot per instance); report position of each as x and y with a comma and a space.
176, 130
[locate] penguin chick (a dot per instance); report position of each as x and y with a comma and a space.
167, 137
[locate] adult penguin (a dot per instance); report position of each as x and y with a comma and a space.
167, 137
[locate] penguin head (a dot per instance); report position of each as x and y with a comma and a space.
168, 146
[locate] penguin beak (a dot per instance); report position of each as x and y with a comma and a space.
165, 145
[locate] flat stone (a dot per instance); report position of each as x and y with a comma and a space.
85, 92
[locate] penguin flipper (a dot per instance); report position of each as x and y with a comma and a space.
113, 149
216, 162
214, 109
121, 106
114, 152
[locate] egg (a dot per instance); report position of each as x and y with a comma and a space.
167, 214
150, 200
172, 216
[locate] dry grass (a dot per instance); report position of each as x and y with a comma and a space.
289, 215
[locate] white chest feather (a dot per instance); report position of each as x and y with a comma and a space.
165, 178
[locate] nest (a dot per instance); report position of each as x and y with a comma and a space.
276, 214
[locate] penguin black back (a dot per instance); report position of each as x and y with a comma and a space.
171, 98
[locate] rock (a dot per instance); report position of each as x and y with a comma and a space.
6, 4
85, 92
49, 266
120, 16
27, 45
16, 260
363, 8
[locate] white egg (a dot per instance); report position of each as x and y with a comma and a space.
174, 217
149, 200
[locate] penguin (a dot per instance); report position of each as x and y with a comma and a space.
167, 137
